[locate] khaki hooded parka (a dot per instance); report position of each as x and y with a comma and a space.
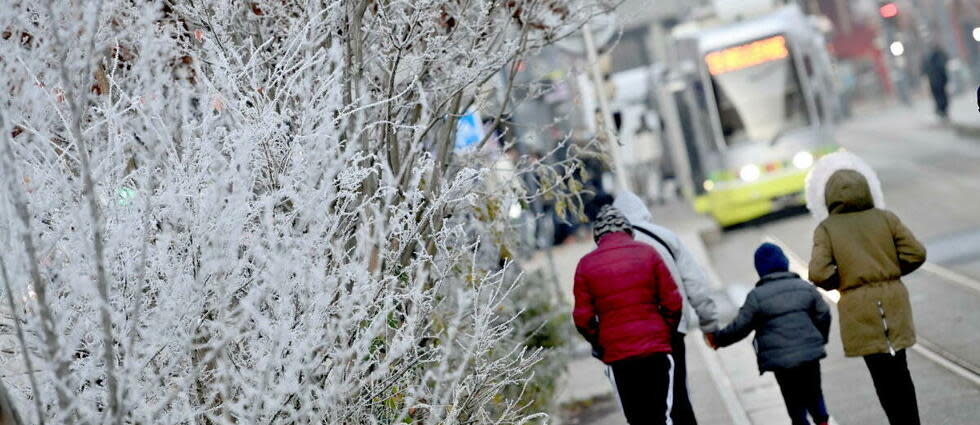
864, 251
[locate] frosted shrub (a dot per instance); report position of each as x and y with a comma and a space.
252, 212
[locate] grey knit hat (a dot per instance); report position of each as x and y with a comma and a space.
609, 220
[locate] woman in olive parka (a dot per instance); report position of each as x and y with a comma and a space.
863, 250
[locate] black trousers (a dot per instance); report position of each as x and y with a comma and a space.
894, 386
801, 391
941, 98
645, 388
682, 412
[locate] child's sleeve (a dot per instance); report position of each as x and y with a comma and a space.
696, 288
911, 253
741, 327
820, 314
823, 268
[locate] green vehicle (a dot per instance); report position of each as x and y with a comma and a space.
756, 110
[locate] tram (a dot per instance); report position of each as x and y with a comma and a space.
757, 110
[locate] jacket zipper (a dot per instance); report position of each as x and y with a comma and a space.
884, 324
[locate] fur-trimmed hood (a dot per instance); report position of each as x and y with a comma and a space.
846, 191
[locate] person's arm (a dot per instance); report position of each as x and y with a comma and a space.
584, 313
823, 268
668, 297
696, 286
741, 327
820, 314
911, 252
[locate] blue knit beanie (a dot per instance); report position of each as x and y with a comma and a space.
770, 259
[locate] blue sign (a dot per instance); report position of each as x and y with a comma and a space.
126, 195
469, 131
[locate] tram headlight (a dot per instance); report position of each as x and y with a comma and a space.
709, 185
750, 173
803, 160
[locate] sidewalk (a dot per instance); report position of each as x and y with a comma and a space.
725, 386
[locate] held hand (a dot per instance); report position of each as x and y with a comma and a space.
710, 339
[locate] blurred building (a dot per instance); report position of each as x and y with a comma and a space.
646, 30
864, 33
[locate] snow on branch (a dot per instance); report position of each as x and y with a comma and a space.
252, 212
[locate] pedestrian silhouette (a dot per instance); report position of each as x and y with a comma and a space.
627, 306
863, 250
791, 323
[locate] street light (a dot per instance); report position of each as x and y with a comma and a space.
897, 48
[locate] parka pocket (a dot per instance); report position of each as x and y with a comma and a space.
861, 325
901, 330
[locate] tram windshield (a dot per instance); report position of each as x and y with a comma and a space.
758, 91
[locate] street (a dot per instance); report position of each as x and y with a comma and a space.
930, 178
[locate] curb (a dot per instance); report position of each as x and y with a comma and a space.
723, 383
704, 236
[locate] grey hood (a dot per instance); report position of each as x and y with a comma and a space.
691, 280
633, 208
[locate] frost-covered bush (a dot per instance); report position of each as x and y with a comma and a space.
543, 324
252, 212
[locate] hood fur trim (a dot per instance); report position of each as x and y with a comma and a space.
816, 181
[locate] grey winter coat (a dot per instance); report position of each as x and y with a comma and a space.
684, 268
790, 320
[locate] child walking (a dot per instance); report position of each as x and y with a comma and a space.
791, 323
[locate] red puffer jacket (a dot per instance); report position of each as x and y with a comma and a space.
625, 299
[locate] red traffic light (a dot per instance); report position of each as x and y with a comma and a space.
888, 10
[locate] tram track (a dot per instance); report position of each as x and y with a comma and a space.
925, 347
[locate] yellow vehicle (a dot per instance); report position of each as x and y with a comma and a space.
756, 111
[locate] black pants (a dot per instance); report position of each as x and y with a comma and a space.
682, 413
645, 388
894, 386
941, 98
801, 391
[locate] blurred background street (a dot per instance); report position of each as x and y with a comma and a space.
930, 176
720, 110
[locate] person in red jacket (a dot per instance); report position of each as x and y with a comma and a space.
626, 306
